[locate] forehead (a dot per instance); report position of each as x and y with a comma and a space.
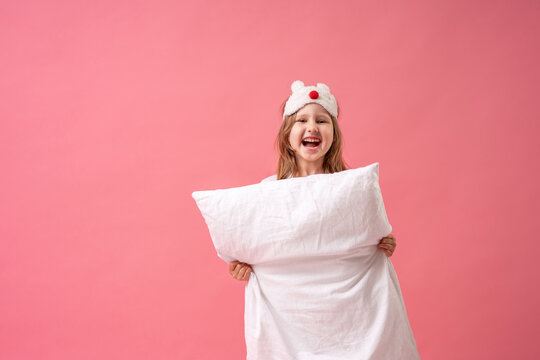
313, 109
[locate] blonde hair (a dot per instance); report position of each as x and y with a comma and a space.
287, 167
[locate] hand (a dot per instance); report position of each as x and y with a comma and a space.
239, 270
388, 244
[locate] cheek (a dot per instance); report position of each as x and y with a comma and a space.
292, 142
329, 135
293, 136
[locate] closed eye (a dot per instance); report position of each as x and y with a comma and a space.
320, 121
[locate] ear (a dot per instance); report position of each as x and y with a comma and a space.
323, 86
297, 85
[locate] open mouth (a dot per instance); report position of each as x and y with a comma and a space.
311, 143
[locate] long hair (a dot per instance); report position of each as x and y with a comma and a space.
287, 167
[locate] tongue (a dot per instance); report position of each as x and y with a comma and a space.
310, 144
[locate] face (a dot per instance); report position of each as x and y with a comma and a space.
313, 123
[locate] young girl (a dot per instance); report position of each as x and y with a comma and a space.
309, 142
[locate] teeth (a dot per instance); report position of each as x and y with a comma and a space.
311, 140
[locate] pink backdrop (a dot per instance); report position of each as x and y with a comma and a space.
113, 112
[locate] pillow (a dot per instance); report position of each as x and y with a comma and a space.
304, 216
320, 288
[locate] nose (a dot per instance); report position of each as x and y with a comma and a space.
312, 126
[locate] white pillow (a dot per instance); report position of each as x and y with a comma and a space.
319, 289
302, 216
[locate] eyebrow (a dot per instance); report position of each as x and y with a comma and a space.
326, 116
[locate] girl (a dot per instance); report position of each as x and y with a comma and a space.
309, 142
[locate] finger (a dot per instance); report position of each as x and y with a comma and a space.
391, 236
236, 270
232, 265
390, 247
247, 274
242, 272
387, 240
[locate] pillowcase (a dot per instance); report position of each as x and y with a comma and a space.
296, 217
320, 288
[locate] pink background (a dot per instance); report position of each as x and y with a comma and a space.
113, 112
